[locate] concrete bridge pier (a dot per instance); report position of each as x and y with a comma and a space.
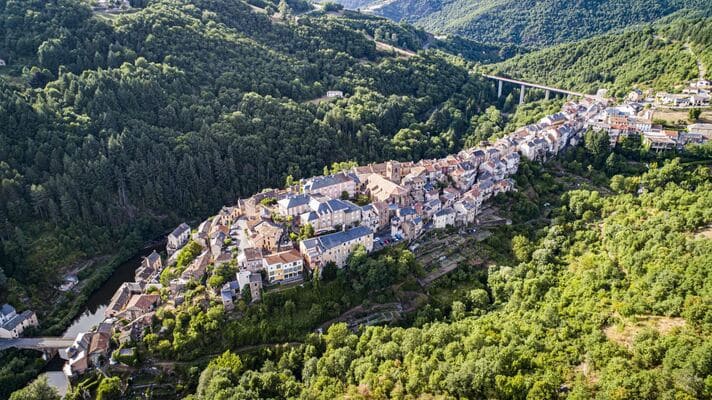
548, 90
546, 95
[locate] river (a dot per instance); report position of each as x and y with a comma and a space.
93, 313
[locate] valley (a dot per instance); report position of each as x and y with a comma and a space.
485, 199
527, 23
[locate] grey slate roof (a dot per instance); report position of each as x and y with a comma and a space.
332, 240
295, 201
559, 116
485, 184
321, 182
407, 211
332, 206
17, 320
484, 175
513, 156
445, 211
153, 257
226, 294
312, 216
180, 230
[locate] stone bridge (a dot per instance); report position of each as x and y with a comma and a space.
47, 345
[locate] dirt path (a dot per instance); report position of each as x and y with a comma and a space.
387, 47
700, 66
625, 332
705, 233
243, 349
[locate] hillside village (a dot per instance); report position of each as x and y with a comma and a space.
636, 116
280, 236
489, 222
696, 94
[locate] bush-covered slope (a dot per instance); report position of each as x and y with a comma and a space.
113, 129
611, 301
660, 56
527, 22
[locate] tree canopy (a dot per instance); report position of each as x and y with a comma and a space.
611, 301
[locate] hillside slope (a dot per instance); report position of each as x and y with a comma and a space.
611, 301
659, 56
113, 129
526, 22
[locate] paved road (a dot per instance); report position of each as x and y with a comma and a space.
36, 343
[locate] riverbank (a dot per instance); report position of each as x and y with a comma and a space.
93, 310
94, 290
75, 312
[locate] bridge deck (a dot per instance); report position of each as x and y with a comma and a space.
533, 85
42, 343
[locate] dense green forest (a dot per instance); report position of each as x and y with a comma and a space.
115, 128
660, 56
413, 38
530, 23
611, 300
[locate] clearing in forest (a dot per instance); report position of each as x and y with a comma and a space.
705, 233
625, 334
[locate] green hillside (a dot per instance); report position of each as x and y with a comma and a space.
115, 128
528, 22
611, 301
661, 56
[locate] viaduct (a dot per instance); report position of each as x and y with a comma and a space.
547, 89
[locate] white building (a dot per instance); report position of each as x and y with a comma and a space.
331, 185
329, 214
335, 247
443, 218
12, 324
283, 267
178, 238
294, 205
334, 94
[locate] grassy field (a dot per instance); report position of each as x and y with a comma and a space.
673, 116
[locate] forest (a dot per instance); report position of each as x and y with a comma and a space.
528, 23
616, 277
115, 129
611, 300
660, 56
